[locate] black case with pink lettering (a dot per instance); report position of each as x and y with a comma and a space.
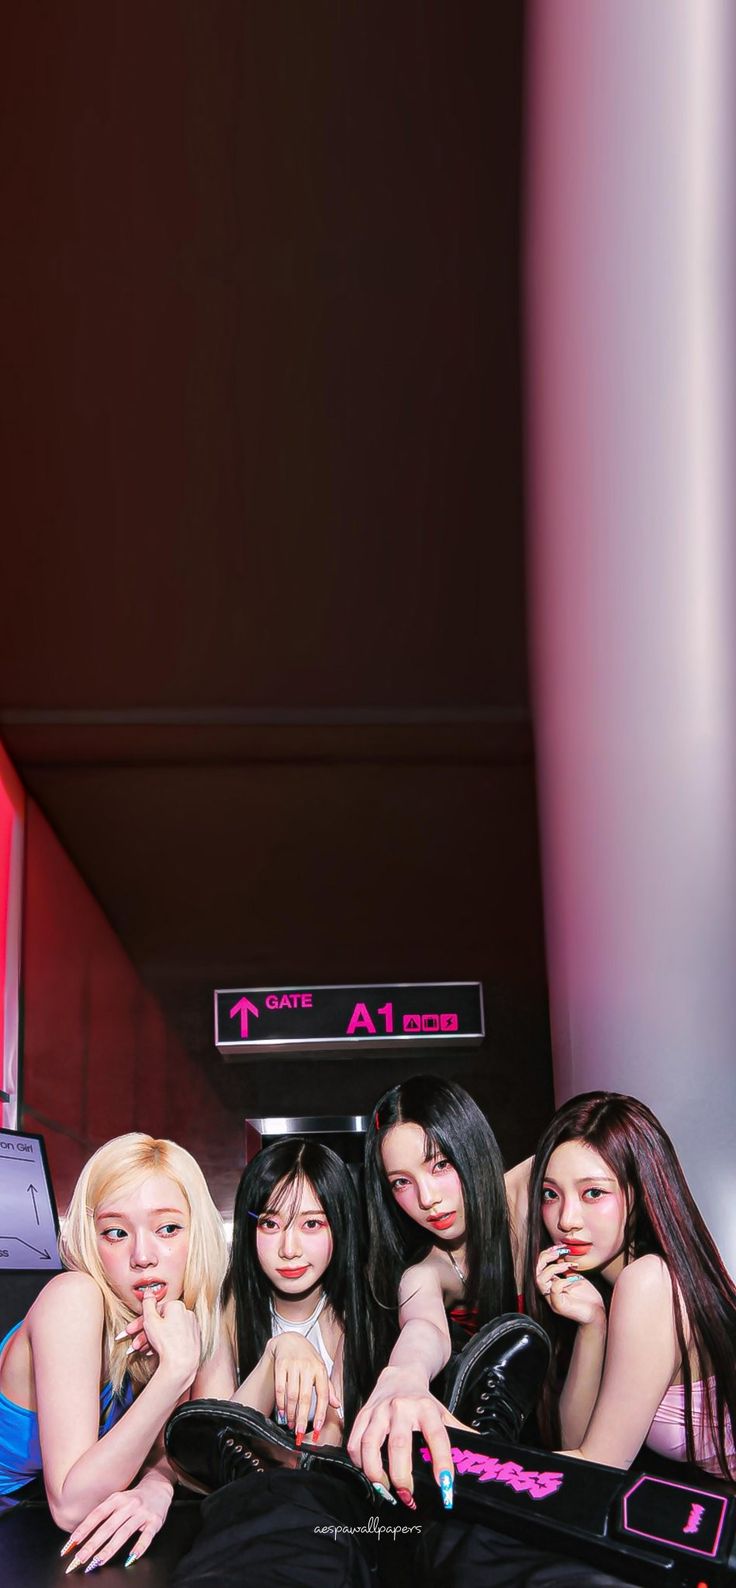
650, 1529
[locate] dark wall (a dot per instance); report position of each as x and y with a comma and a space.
262, 649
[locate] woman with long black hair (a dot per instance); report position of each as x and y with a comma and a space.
297, 1339
297, 1347
632, 1290
440, 1255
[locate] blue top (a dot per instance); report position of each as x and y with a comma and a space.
20, 1446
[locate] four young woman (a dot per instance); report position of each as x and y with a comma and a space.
620, 1270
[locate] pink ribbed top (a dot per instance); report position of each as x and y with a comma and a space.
667, 1432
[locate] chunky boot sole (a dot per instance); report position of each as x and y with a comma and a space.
211, 1443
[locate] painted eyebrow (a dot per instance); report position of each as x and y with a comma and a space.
585, 1179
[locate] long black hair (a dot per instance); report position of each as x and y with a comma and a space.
663, 1218
453, 1126
273, 1179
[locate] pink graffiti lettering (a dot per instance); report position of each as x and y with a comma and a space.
697, 1512
488, 1469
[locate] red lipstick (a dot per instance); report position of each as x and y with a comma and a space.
578, 1248
442, 1221
292, 1273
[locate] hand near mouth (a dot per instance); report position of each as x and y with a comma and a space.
172, 1333
135, 1330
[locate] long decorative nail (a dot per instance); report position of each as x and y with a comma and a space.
70, 1544
573, 1281
316, 1430
132, 1558
563, 1251
130, 1350
123, 1335
386, 1494
281, 1418
93, 1565
407, 1498
446, 1489
298, 1437
77, 1561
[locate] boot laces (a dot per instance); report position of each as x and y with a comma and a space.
237, 1460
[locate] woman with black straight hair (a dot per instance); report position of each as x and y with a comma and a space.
456, 1133
633, 1292
440, 1255
298, 1344
298, 1337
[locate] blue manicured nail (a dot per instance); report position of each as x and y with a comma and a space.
381, 1489
132, 1558
93, 1565
446, 1489
573, 1281
281, 1418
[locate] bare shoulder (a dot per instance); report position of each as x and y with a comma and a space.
68, 1297
516, 1181
647, 1279
427, 1275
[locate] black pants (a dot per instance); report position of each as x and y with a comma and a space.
282, 1530
303, 1530
455, 1554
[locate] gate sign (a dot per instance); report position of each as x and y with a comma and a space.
296, 1019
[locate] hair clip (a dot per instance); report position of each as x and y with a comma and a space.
376, 1120
252, 1215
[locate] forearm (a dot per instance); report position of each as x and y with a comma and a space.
113, 1462
421, 1351
580, 1391
257, 1390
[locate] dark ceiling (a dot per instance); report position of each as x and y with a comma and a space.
262, 647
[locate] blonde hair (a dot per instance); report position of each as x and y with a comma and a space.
115, 1167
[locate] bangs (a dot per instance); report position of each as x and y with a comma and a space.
434, 1148
286, 1196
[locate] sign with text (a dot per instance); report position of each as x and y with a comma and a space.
297, 1019
27, 1209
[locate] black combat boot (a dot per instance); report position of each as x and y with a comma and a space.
211, 1443
496, 1380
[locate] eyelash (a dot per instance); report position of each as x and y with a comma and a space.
310, 1227
116, 1234
440, 1165
593, 1193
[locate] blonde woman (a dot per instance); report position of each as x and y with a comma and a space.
112, 1345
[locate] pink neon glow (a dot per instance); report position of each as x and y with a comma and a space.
488, 1469
11, 821
697, 1512
655, 1538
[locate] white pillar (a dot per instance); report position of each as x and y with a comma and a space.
630, 270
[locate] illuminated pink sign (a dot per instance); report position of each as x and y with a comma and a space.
293, 1019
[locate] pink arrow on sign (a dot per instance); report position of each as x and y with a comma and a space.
244, 1007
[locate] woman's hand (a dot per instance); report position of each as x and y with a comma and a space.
298, 1370
566, 1291
136, 1514
172, 1333
401, 1404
